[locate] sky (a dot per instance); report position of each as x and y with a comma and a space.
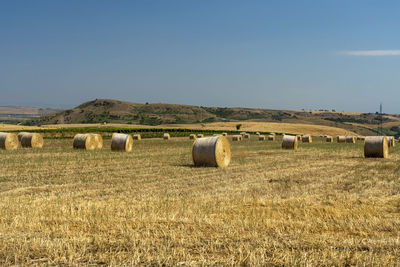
342, 55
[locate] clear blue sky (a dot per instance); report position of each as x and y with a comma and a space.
342, 55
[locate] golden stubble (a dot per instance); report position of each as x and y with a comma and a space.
323, 204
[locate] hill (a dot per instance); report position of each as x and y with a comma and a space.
114, 111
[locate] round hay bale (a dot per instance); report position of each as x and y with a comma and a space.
242, 133
212, 151
225, 134
121, 142
341, 139
192, 137
84, 141
351, 139
166, 136
289, 142
329, 139
391, 141
200, 135
306, 138
247, 136
271, 137
20, 135
237, 138
257, 133
8, 141
99, 141
33, 140
261, 138
137, 137
298, 137
376, 147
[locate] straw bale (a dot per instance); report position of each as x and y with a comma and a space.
33, 140
84, 141
137, 137
351, 139
329, 139
271, 137
200, 135
261, 137
166, 136
212, 151
8, 141
289, 142
306, 138
376, 147
237, 138
341, 139
247, 136
192, 137
391, 141
121, 142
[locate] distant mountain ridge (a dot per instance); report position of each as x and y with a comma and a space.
115, 111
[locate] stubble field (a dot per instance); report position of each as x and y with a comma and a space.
321, 204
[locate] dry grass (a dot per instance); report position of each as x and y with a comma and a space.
323, 204
294, 128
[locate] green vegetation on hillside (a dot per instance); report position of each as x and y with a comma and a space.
114, 111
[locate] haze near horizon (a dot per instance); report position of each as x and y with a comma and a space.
341, 55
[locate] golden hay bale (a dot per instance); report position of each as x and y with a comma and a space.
257, 133
376, 147
121, 142
306, 138
192, 137
200, 135
351, 139
166, 136
271, 137
20, 135
329, 139
34, 140
84, 141
99, 141
237, 138
289, 142
261, 137
8, 141
246, 136
298, 137
225, 134
341, 139
137, 137
212, 151
391, 141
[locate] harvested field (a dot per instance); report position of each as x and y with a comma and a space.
294, 128
323, 204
